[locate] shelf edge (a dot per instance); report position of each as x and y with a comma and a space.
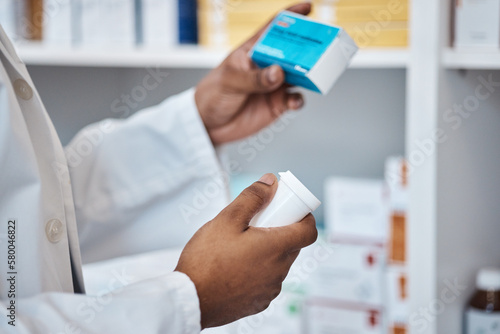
179, 57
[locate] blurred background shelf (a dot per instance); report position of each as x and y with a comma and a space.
487, 60
175, 57
178, 57
381, 58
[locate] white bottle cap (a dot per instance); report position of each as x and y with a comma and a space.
300, 190
488, 279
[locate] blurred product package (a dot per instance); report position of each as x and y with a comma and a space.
356, 210
58, 22
103, 23
371, 23
107, 23
22, 19
31, 24
329, 317
352, 283
188, 21
477, 24
225, 23
366, 223
286, 314
397, 303
160, 23
353, 274
396, 178
397, 308
8, 17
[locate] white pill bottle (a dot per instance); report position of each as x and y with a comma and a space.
291, 203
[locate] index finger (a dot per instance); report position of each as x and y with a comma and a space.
303, 8
294, 237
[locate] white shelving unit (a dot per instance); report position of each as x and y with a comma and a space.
176, 57
454, 219
453, 59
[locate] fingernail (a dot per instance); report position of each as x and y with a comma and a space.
296, 103
267, 179
273, 74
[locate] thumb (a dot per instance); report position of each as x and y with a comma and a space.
251, 200
255, 80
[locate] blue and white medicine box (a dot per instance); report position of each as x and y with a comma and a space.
313, 55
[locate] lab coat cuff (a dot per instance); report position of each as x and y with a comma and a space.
188, 302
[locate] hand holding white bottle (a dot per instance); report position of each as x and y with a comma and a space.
291, 203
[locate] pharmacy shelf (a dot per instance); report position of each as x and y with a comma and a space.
178, 57
175, 57
487, 60
381, 58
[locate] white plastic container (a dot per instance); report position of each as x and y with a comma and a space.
292, 202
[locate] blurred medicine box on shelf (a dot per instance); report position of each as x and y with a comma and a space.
356, 210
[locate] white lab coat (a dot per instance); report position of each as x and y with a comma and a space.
136, 185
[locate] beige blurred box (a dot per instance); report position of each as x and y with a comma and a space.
370, 23
229, 23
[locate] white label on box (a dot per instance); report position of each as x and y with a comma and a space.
479, 322
352, 273
477, 23
356, 209
323, 319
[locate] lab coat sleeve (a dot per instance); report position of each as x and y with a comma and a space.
134, 180
166, 304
